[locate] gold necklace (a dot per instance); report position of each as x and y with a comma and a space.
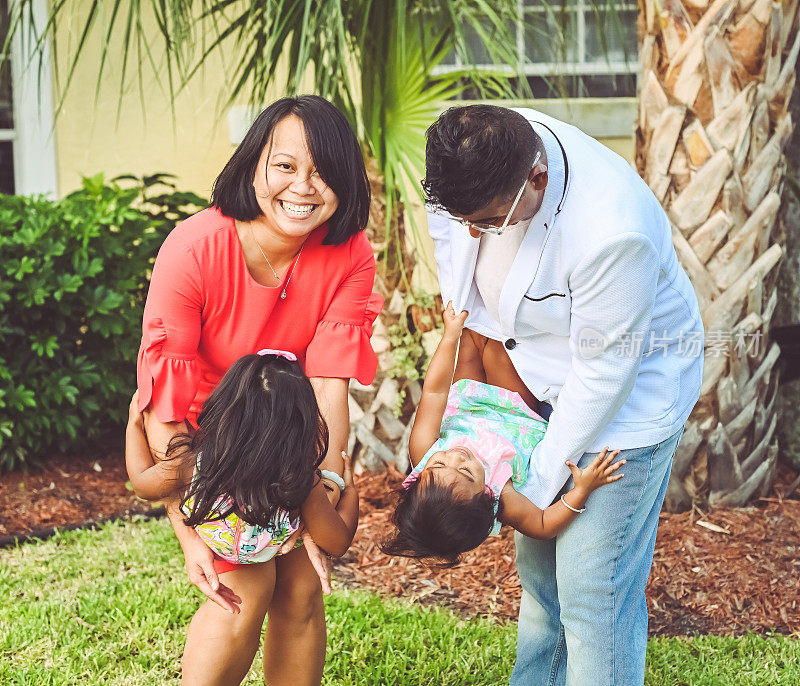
272, 269
263, 254
296, 260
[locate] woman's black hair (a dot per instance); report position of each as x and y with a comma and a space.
260, 439
475, 153
334, 149
435, 524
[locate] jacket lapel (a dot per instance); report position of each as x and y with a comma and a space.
521, 275
526, 263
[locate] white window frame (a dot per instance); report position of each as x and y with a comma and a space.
33, 135
599, 117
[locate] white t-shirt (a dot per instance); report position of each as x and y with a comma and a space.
495, 256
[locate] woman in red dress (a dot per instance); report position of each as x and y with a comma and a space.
278, 261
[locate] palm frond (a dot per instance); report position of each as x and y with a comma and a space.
377, 61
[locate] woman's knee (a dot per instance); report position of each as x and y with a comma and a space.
298, 592
298, 602
217, 625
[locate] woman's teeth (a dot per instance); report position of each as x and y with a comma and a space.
297, 210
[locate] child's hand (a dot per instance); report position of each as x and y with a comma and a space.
135, 417
347, 474
599, 473
453, 323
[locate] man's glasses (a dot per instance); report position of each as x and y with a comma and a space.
490, 227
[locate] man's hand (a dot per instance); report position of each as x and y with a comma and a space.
453, 323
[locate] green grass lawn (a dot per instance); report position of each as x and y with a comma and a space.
111, 607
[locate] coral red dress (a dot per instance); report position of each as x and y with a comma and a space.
204, 310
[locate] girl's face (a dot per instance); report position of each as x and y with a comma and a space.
293, 198
459, 468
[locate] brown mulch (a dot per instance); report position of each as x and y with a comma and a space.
65, 491
743, 578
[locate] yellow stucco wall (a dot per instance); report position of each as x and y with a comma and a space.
131, 134
622, 145
101, 131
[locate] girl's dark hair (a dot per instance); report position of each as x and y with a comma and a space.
260, 438
475, 153
334, 149
434, 523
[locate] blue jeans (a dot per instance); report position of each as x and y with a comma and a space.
583, 618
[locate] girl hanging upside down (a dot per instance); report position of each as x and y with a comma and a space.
470, 447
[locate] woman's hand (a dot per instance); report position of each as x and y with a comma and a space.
200, 569
453, 323
599, 473
319, 561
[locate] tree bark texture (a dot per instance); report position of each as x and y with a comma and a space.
713, 127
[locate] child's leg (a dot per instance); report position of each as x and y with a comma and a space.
500, 371
220, 646
469, 364
294, 646
486, 360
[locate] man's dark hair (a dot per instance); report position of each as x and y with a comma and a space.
334, 149
435, 524
476, 153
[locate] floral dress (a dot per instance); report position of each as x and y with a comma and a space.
495, 425
234, 540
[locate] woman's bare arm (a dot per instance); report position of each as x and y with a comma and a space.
331, 397
151, 479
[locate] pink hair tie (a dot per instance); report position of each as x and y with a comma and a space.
279, 353
410, 479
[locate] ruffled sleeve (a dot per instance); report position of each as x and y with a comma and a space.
167, 371
340, 347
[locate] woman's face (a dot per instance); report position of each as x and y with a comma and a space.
293, 198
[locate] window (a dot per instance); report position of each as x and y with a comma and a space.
27, 146
594, 55
7, 134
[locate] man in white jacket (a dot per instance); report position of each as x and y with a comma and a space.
563, 256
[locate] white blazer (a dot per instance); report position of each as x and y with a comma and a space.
596, 313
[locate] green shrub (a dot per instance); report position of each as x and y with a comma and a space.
73, 279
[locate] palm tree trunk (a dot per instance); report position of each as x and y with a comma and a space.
378, 436
713, 122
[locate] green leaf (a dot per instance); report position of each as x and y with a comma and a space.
70, 328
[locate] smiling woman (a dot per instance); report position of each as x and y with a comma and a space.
298, 161
278, 261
